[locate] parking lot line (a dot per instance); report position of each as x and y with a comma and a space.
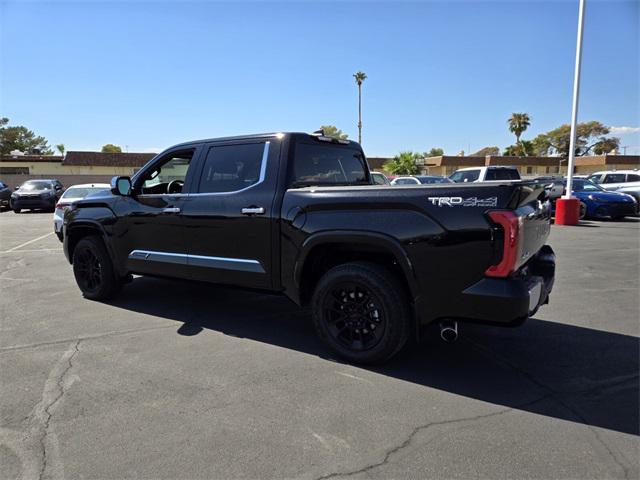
28, 243
31, 251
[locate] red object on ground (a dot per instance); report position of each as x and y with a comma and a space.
567, 211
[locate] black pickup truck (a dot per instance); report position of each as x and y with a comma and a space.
299, 214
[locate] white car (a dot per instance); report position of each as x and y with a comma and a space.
485, 174
623, 181
72, 194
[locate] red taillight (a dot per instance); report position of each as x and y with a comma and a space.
62, 205
510, 223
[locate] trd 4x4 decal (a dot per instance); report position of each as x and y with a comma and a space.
464, 202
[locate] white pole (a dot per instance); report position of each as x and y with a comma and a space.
576, 93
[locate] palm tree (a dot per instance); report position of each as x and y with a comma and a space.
360, 77
60, 147
518, 123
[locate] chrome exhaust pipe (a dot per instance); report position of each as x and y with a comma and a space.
449, 331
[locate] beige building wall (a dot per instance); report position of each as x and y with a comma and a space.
57, 168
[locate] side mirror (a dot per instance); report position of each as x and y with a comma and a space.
121, 186
16, 188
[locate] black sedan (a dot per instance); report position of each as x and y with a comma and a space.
37, 195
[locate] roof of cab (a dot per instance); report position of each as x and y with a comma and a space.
248, 137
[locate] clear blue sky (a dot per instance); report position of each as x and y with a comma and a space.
448, 74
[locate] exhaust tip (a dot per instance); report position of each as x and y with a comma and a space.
449, 331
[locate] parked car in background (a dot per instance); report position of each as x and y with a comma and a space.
599, 203
485, 174
5, 195
420, 180
37, 195
624, 181
379, 178
72, 194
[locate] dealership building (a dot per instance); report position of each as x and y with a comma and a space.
94, 167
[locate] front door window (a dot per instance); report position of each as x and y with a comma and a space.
167, 176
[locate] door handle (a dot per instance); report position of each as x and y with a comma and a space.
171, 210
253, 211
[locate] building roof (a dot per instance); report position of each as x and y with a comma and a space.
30, 158
107, 159
454, 160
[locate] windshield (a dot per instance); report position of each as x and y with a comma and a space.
82, 192
36, 186
585, 186
465, 176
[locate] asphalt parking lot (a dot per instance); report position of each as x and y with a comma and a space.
177, 380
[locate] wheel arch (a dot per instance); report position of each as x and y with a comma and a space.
325, 250
76, 231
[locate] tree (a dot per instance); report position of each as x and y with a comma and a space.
606, 145
590, 137
111, 148
518, 123
60, 147
333, 132
523, 149
22, 139
434, 152
405, 163
360, 77
483, 152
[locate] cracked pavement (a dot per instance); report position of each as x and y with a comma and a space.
176, 380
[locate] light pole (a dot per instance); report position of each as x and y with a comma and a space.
568, 207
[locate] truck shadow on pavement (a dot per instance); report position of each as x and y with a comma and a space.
563, 371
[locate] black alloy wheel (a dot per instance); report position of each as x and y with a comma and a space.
354, 316
88, 270
362, 311
94, 270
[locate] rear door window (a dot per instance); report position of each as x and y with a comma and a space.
317, 164
632, 177
229, 168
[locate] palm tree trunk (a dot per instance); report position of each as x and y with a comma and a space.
360, 113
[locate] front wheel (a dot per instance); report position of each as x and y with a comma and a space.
94, 270
361, 311
17, 210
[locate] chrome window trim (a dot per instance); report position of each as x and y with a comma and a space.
224, 263
263, 173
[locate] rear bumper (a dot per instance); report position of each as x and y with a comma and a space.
510, 301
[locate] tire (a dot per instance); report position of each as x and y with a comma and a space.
583, 211
378, 321
618, 217
17, 210
93, 270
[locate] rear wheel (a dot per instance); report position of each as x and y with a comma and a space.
17, 210
94, 270
361, 312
